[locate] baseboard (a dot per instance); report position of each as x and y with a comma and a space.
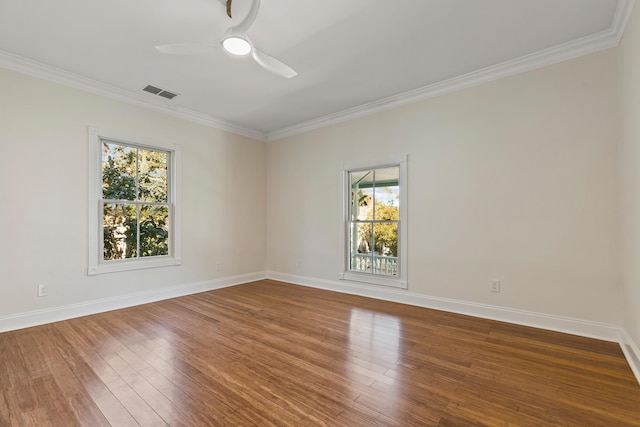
567, 325
631, 352
520, 317
41, 317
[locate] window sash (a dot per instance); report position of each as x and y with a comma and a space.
347, 273
96, 262
170, 165
170, 210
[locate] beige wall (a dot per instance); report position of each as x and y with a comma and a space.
629, 66
513, 180
43, 194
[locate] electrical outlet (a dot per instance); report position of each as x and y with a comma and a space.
219, 266
43, 290
495, 286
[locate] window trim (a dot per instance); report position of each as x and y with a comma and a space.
401, 280
96, 265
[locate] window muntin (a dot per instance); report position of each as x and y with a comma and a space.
134, 210
135, 201
375, 214
375, 224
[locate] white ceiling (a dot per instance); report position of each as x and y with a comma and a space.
352, 56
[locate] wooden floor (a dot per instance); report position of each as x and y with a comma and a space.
273, 354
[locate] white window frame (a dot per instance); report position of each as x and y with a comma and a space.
401, 280
96, 263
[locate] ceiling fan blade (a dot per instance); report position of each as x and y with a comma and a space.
272, 64
187, 48
247, 22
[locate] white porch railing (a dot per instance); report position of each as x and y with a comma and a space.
378, 264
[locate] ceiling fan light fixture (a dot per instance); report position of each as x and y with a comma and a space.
236, 42
236, 45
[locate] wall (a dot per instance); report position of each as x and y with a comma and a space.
629, 66
43, 194
513, 180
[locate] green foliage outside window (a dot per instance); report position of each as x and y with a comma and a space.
385, 235
136, 205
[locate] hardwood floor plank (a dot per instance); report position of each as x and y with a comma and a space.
74, 394
153, 366
8, 414
71, 348
359, 415
273, 354
37, 417
252, 389
387, 400
210, 370
15, 378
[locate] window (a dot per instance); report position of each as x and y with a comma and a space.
375, 224
133, 210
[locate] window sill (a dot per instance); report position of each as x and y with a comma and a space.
373, 279
129, 265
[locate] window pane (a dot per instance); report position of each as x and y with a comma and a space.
152, 175
387, 177
361, 194
120, 231
387, 194
362, 204
387, 206
385, 237
118, 172
362, 178
361, 243
154, 230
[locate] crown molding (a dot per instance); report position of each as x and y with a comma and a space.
570, 50
33, 68
621, 18
553, 55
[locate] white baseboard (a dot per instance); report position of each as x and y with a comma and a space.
521, 317
41, 317
631, 352
567, 325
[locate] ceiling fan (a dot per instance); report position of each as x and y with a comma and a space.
236, 42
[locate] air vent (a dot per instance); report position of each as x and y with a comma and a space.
160, 92
152, 89
167, 94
